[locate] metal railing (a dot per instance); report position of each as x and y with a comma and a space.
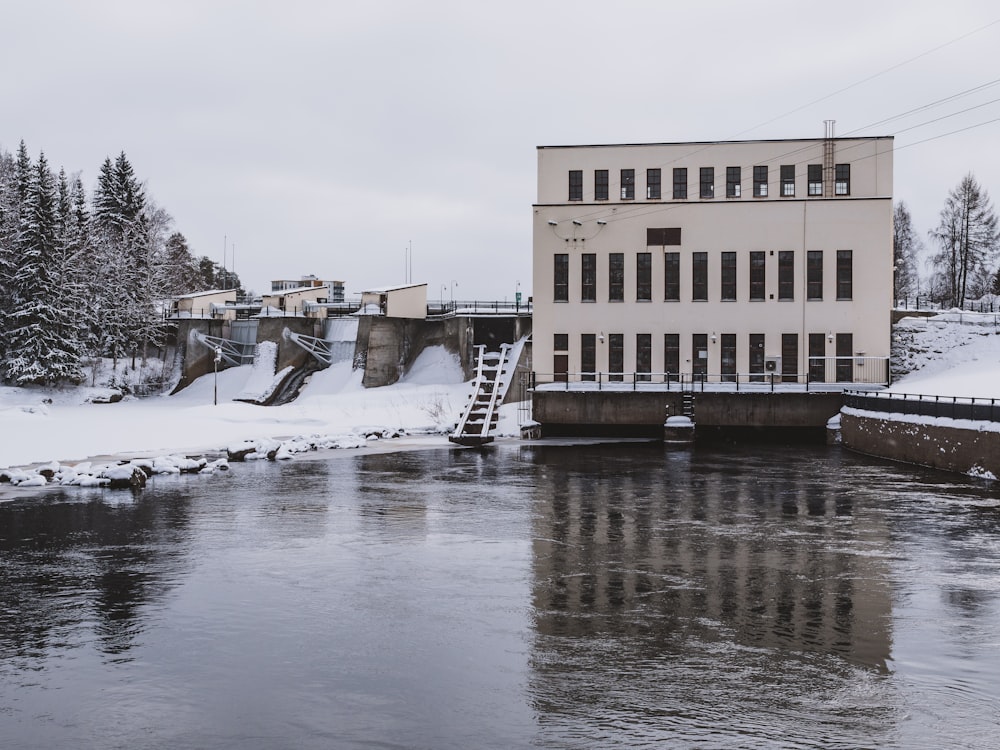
824, 374
951, 407
986, 305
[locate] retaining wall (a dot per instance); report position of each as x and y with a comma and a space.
966, 447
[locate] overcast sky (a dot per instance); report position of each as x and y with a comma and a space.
324, 137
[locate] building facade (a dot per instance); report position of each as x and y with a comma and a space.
724, 261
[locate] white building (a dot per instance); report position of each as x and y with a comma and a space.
721, 261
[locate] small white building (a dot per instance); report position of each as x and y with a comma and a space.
409, 301
217, 304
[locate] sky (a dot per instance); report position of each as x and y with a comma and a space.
382, 142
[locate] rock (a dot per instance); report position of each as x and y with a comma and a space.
125, 477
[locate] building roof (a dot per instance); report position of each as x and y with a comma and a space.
716, 143
384, 289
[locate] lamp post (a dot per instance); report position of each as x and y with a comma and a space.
218, 358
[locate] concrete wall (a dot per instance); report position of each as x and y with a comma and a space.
949, 448
196, 359
290, 354
650, 408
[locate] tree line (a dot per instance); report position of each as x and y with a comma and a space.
966, 243
81, 278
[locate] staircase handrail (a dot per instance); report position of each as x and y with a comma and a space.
504, 351
476, 385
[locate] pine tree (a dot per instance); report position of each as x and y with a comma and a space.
37, 352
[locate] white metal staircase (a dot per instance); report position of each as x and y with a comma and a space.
493, 375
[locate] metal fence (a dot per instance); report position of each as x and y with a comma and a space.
824, 374
951, 407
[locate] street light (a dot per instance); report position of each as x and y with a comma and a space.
218, 358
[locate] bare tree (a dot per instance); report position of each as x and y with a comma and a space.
906, 246
968, 239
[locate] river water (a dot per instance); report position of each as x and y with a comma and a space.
521, 596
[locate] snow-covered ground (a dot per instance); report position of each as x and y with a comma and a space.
43, 425
953, 354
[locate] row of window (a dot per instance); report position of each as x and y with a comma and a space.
844, 273
706, 182
817, 363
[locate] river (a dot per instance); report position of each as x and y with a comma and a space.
520, 596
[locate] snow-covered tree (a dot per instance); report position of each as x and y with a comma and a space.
179, 269
968, 239
37, 349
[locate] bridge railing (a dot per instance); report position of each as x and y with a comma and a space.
916, 404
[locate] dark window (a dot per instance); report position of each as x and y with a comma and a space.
616, 355
643, 356
789, 357
561, 278
786, 274
576, 184
588, 356
680, 182
727, 357
814, 274
671, 354
845, 274
760, 182
758, 265
672, 277
815, 181
588, 277
616, 277
707, 182
699, 277
842, 179
732, 182
644, 277
728, 290
757, 357
663, 236
787, 180
628, 184
817, 358
845, 347
560, 342
699, 354
560, 368
653, 184
600, 184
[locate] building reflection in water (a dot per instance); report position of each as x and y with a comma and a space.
652, 564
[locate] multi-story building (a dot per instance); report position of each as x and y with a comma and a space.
721, 260
335, 289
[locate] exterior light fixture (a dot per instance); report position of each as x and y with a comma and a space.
829, 337
600, 337
553, 223
601, 222
714, 337
577, 223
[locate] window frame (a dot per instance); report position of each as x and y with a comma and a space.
814, 275
653, 186
842, 179
706, 182
727, 277
616, 356
758, 275
671, 354
680, 183
575, 185
601, 185
628, 184
643, 356
672, 277
588, 356
760, 181
787, 175
588, 277
644, 277
786, 275
699, 276
560, 278
814, 180
616, 277
733, 182
727, 357
845, 275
